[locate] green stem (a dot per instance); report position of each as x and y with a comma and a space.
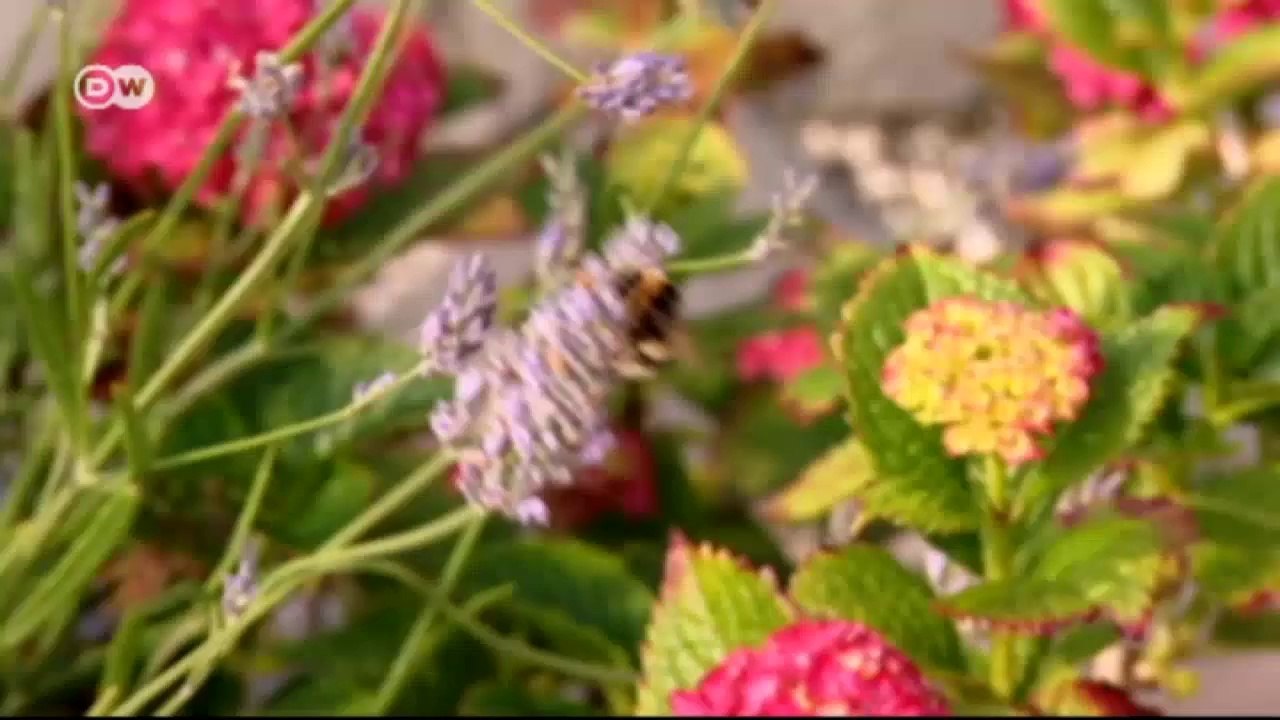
462, 191
248, 514
512, 648
998, 566
24, 484
749, 35
285, 432
720, 263
410, 652
214, 376
417, 481
368, 88
529, 41
67, 174
138, 700
221, 313
325, 561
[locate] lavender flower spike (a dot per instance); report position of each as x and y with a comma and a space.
457, 329
634, 86
531, 407
272, 90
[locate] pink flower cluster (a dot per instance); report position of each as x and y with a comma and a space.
194, 47
780, 355
1091, 85
814, 668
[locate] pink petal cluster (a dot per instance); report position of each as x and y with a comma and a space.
791, 292
193, 47
1089, 84
996, 376
780, 355
813, 668
1233, 21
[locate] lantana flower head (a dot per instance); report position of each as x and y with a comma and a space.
205, 57
814, 668
996, 376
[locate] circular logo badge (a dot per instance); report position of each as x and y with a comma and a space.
95, 87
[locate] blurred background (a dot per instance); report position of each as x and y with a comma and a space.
866, 73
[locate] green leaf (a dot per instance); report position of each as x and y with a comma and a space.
922, 480
1253, 327
640, 159
324, 382
1245, 247
815, 391
1160, 163
1015, 64
345, 490
497, 698
1235, 630
867, 585
469, 85
1241, 509
1123, 401
764, 447
1110, 562
64, 583
1085, 278
1233, 572
712, 225
1243, 65
836, 476
1083, 643
585, 584
709, 606
837, 278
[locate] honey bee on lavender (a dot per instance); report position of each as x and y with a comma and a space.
653, 306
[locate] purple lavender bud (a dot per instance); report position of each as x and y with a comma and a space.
533, 511
448, 422
556, 247
640, 243
598, 448
633, 86
457, 329
242, 586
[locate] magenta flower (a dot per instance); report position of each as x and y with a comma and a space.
195, 48
780, 355
1090, 85
813, 668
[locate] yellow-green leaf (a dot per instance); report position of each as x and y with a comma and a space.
642, 156
709, 606
836, 476
1156, 169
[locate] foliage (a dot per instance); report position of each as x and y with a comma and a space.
228, 496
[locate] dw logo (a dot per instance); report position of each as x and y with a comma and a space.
128, 87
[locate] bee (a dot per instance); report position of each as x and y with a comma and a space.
653, 308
